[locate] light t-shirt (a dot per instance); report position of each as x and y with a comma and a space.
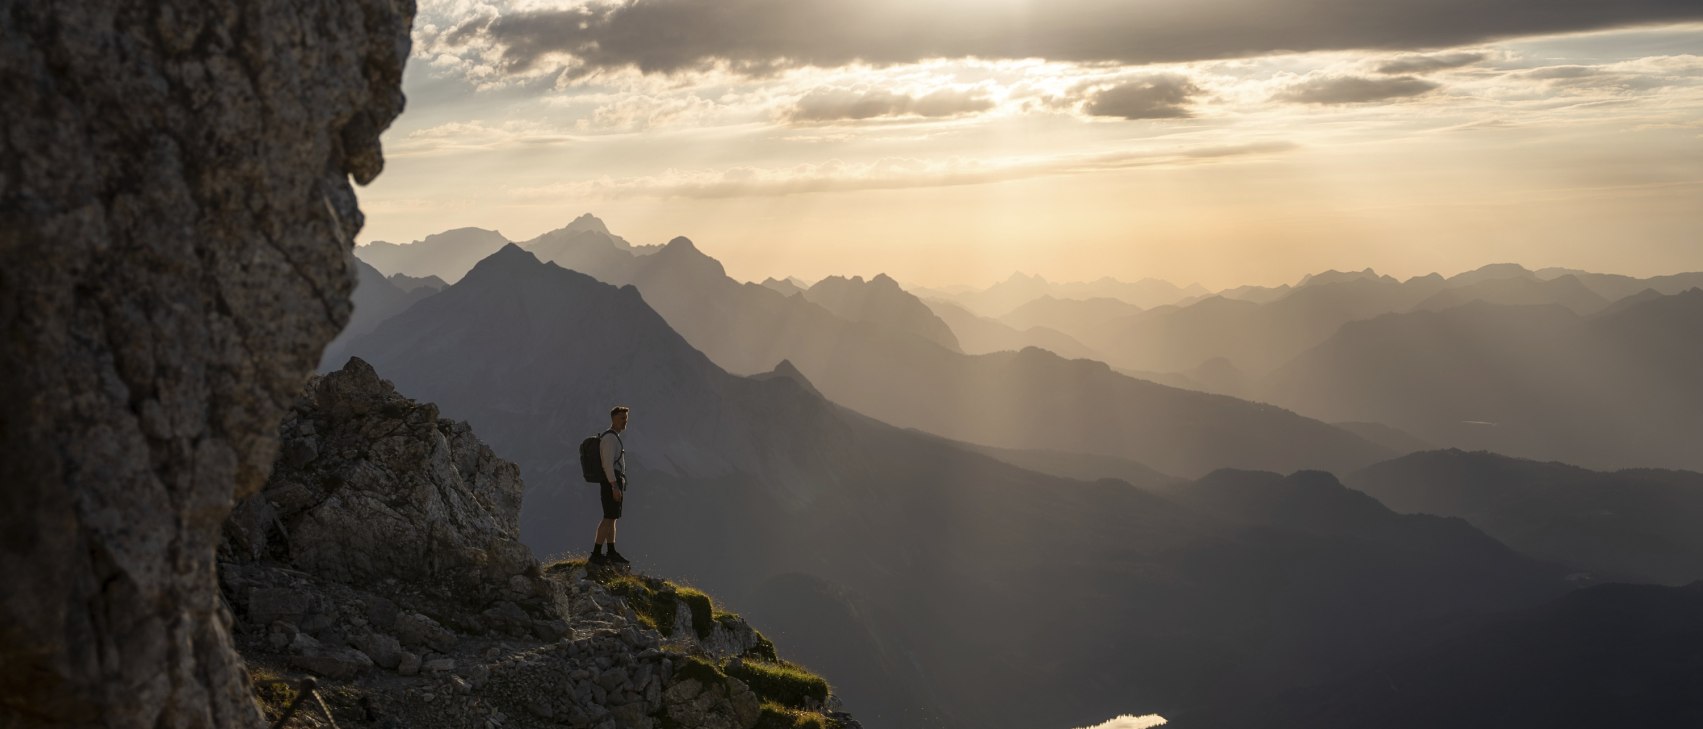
614, 458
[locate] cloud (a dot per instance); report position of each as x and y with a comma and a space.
757, 37
839, 104
1354, 89
1548, 73
1633, 76
891, 173
1422, 63
1156, 97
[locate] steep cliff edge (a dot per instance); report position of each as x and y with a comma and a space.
175, 224
382, 557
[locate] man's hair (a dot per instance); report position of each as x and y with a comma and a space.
617, 410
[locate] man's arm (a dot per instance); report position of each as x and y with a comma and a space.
606, 448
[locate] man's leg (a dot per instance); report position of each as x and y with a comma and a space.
605, 529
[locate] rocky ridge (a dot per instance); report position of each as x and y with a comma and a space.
382, 558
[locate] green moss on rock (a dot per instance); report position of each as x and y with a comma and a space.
781, 682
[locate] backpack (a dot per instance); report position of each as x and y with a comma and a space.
591, 457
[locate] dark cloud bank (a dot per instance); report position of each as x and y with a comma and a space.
759, 36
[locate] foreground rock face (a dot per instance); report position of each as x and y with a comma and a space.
175, 227
382, 557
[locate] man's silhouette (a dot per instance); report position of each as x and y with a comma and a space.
612, 490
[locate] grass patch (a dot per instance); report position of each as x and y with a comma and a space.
781, 682
775, 716
274, 691
763, 650
657, 602
655, 608
703, 610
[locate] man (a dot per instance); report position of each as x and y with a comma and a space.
612, 490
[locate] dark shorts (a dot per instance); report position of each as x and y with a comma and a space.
611, 507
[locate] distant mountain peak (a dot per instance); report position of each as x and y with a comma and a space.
680, 243
470, 233
786, 370
1020, 277
1491, 272
508, 259
1335, 276
587, 222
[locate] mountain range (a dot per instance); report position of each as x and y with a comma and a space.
924, 578
1616, 389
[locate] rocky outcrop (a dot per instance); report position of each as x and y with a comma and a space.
175, 224
370, 486
382, 557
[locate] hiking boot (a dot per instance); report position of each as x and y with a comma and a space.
616, 558
597, 560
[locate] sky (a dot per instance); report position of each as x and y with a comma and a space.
1224, 142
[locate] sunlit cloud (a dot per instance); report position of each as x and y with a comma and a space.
884, 174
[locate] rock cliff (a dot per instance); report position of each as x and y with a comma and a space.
175, 224
382, 557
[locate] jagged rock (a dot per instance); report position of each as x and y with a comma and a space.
389, 491
176, 221
409, 664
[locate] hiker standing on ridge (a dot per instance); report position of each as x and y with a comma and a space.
612, 489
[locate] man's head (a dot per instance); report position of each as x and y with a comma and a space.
618, 418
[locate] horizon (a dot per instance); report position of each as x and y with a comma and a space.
985, 283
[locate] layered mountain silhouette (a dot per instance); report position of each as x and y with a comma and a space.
1258, 329
785, 286
410, 283
880, 301
1020, 289
933, 585
1076, 317
1028, 399
978, 334
377, 298
1638, 524
1254, 337
447, 255
1566, 291
1617, 389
